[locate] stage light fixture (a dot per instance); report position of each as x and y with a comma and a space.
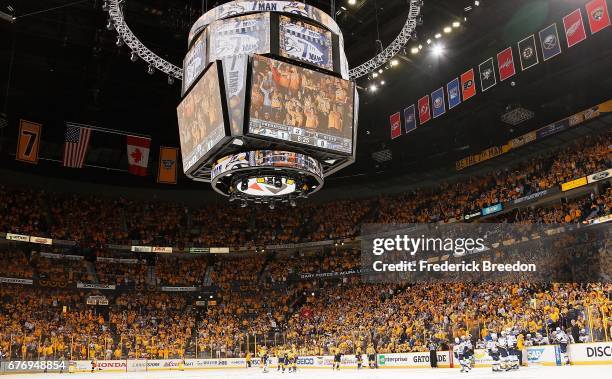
420, 47
414, 50
272, 206
438, 35
151, 70
456, 24
373, 88
476, 3
447, 29
119, 42
109, 25
429, 41
170, 80
352, 2
375, 75
380, 71
382, 82
134, 56
394, 62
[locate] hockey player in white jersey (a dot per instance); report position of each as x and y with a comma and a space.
502, 346
540, 340
494, 352
511, 343
461, 352
583, 337
528, 341
562, 339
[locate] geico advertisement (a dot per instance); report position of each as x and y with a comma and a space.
411, 359
590, 352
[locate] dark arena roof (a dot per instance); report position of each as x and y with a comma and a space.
59, 63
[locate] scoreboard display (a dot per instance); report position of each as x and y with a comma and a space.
298, 105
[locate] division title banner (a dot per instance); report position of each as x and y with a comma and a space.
408, 253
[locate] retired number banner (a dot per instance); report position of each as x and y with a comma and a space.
28, 142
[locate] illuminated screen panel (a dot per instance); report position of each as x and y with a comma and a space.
200, 118
298, 105
232, 41
234, 72
240, 35
194, 62
305, 42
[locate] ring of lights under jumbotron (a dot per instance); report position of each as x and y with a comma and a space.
267, 176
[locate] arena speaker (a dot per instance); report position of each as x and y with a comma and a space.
267, 109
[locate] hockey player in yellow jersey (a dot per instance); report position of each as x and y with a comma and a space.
263, 355
359, 357
292, 356
371, 356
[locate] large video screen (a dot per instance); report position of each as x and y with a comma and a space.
240, 36
194, 62
295, 104
305, 42
200, 118
232, 41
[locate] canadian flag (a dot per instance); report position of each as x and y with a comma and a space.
138, 154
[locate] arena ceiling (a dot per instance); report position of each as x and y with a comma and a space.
66, 67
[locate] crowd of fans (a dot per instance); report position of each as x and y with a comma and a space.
313, 300
97, 220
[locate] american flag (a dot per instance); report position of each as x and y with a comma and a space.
76, 144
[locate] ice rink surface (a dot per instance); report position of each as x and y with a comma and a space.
565, 372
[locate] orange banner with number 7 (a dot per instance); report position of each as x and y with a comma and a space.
28, 142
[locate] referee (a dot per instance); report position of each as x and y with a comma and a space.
433, 354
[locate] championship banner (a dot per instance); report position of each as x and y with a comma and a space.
487, 75
28, 142
574, 184
505, 64
598, 15
549, 42
424, 114
527, 52
167, 167
409, 119
438, 103
468, 88
574, 28
454, 98
396, 129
